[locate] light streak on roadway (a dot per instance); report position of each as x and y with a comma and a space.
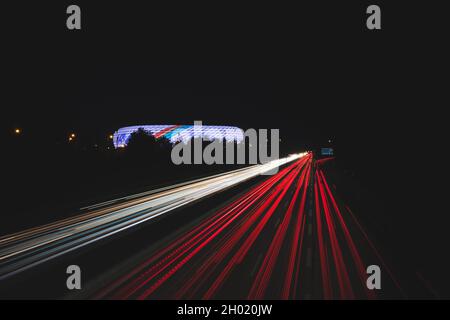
335, 222
257, 247
213, 249
28, 248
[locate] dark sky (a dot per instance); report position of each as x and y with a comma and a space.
314, 72
149, 65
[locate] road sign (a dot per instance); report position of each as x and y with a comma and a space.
327, 151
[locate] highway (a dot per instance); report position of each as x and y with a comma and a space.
286, 236
29, 248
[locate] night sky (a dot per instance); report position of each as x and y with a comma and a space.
244, 68
315, 74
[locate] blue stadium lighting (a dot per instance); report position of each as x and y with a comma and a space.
180, 133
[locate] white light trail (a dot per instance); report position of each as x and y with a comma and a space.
24, 249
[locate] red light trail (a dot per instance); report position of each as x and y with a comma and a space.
254, 248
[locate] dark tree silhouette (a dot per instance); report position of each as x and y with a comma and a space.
145, 147
142, 142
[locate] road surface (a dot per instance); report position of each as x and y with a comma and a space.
287, 236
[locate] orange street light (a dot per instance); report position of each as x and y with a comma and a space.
17, 131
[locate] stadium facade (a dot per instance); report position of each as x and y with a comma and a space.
180, 133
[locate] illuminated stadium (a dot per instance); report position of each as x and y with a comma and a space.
180, 133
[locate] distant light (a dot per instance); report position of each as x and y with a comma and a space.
111, 136
329, 141
72, 135
327, 151
70, 138
17, 131
181, 133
